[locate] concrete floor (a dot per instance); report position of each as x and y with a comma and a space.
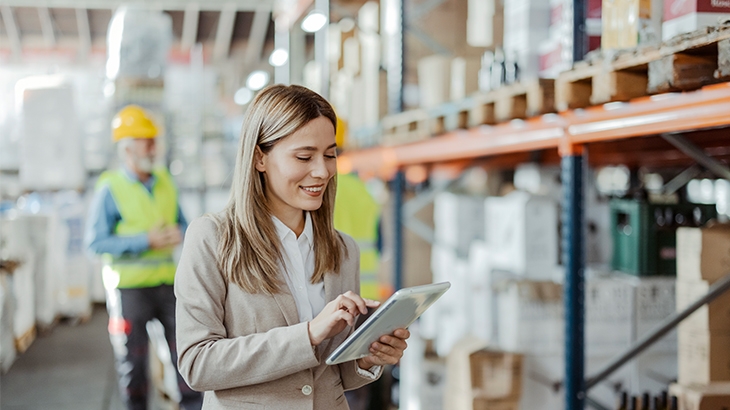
71, 368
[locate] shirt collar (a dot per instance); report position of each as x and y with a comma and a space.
282, 230
131, 175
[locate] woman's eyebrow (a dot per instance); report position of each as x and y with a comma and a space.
310, 148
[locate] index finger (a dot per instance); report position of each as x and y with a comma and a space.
359, 301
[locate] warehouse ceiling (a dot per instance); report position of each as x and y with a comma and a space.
29, 26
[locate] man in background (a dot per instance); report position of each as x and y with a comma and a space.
358, 214
135, 222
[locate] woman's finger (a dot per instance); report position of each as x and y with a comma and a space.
345, 303
395, 342
357, 300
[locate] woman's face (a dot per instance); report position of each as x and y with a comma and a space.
298, 169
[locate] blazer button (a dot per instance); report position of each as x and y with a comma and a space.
307, 390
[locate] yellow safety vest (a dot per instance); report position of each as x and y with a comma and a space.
141, 211
356, 214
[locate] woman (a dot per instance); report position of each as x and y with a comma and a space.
266, 289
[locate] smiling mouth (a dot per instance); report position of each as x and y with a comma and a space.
313, 190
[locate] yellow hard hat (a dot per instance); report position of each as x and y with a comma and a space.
132, 122
341, 133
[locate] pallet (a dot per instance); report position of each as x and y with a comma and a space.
405, 127
516, 101
684, 63
23, 342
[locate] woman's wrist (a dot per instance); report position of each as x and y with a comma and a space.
364, 364
312, 341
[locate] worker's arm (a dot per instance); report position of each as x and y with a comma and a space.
103, 217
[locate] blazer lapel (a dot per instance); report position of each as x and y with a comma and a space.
288, 306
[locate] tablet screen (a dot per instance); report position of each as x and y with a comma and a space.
399, 311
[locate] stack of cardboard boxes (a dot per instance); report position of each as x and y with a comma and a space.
703, 257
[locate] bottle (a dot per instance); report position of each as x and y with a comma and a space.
645, 401
498, 69
485, 72
622, 402
674, 403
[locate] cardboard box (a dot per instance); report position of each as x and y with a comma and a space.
715, 396
496, 375
684, 16
703, 253
480, 379
703, 357
713, 317
626, 24
485, 404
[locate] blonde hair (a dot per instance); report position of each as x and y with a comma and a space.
249, 251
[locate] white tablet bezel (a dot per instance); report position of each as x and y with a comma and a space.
357, 345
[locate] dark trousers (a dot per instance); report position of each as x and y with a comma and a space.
129, 312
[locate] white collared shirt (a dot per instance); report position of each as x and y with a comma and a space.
298, 255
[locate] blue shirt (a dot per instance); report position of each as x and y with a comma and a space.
104, 217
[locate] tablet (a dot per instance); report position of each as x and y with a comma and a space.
399, 311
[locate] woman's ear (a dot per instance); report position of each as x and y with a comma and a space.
259, 159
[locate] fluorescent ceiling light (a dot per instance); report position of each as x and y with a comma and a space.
243, 96
314, 21
279, 57
257, 80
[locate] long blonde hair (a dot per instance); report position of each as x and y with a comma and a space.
249, 251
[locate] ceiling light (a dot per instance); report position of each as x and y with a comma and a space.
243, 96
257, 80
279, 57
314, 21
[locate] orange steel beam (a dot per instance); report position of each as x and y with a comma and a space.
568, 131
672, 112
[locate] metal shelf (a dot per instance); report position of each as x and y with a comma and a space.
664, 113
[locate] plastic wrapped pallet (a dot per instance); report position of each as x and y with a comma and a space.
74, 282
51, 150
7, 342
15, 244
138, 42
42, 233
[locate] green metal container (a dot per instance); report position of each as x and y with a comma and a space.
644, 235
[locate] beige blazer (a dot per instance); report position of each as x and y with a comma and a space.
248, 351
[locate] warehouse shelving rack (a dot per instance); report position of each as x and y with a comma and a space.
667, 129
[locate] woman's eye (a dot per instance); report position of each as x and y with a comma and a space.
304, 158
330, 156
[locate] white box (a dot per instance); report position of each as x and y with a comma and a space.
609, 313
483, 303
655, 301
523, 234
458, 221
434, 79
684, 16
464, 77
530, 317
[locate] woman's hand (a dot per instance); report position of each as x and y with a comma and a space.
336, 315
387, 350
